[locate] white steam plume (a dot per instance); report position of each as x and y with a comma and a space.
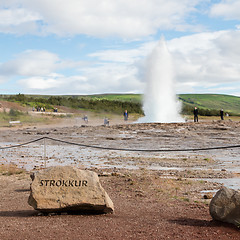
160, 103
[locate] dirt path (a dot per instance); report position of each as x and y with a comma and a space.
142, 212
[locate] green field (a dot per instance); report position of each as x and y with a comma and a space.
208, 104
137, 98
228, 103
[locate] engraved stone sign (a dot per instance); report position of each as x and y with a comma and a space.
66, 188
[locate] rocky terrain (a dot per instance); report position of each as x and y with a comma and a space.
160, 193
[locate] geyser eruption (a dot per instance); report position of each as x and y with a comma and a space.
160, 102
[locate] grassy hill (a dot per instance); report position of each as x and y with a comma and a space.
228, 103
208, 104
137, 98
211, 102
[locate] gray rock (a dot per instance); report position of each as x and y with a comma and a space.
225, 206
65, 188
208, 196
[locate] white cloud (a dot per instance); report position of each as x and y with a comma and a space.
37, 63
44, 72
41, 70
112, 77
123, 18
56, 82
129, 56
207, 58
228, 9
109, 77
16, 17
39, 83
18, 20
31, 63
203, 62
3, 79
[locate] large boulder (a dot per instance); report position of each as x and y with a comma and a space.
225, 206
65, 189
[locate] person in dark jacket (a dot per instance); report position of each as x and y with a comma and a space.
195, 113
221, 114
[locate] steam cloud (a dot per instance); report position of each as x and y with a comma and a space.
160, 102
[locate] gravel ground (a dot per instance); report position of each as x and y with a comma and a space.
146, 207
156, 195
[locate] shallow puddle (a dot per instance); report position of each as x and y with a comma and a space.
233, 183
32, 157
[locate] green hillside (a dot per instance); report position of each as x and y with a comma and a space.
208, 104
137, 98
228, 103
211, 102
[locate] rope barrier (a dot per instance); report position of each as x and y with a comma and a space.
123, 149
22, 144
143, 150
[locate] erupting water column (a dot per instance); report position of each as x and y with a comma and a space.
160, 103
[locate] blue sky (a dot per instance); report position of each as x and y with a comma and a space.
100, 46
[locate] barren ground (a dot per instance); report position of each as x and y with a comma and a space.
157, 195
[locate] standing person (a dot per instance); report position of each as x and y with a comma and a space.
221, 114
195, 113
125, 114
85, 118
106, 121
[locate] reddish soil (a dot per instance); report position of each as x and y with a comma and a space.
6, 106
142, 211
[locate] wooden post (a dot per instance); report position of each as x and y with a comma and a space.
45, 157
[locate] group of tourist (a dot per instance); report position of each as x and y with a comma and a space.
39, 109
125, 115
195, 114
106, 120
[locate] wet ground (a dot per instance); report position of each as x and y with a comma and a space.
173, 143
156, 195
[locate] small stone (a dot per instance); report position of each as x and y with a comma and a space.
104, 174
208, 196
116, 174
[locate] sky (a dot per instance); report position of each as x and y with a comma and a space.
75, 47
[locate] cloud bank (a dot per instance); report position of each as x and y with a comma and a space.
126, 19
203, 61
228, 9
